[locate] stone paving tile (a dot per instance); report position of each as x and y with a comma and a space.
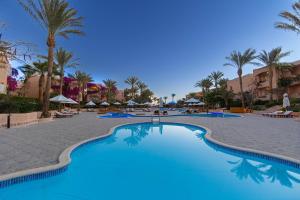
41, 144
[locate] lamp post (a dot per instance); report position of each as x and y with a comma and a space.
9, 110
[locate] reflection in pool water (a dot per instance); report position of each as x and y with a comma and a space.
163, 161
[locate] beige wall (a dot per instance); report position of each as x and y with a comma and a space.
234, 84
31, 88
4, 72
20, 118
261, 78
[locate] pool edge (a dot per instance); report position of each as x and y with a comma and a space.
65, 157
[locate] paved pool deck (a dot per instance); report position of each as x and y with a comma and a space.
41, 144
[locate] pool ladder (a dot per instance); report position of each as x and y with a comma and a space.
155, 120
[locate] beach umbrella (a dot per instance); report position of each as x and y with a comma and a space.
90, 103
199, 104
148, 104
117, 104
192, 100
131, 103
71, 101
286, 101
104, 103
60, 99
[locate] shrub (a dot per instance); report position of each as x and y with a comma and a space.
296, 108
259, 107
236, 103
294, 101
18, 105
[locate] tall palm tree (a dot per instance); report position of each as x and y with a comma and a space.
292, 18
132, 82
141, 86
58, 19
64, 59
272, 61
225, 94
239, 60
111, 86
173, 96
205, 84
165, 99
216, 77
82, 79
39, 68
223, 83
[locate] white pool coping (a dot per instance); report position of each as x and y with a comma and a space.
65, 157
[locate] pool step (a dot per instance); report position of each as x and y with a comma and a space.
155, 120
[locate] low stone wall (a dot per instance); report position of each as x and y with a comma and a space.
18, 119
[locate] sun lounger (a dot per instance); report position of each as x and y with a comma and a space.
286, 114
62, 115
279, 114
156, 112
271, 114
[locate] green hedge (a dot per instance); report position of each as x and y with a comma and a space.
18, 105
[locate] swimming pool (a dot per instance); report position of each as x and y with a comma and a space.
127, 115
161, 161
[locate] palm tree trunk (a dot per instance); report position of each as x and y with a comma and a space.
271, 83
41, 87
61, 80
242, 91
51, 45
132, 92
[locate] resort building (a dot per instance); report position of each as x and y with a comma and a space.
4, 72
258, 83
93, 92
234, 84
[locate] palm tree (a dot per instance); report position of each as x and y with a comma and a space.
111, 86
82, 79
59, 20
39, 68
272, 61
64, 59
293, 19
239, 60
205, 84
225, 94
173, 96
223, 83
165, 98
141, 86
216, 77
132, 81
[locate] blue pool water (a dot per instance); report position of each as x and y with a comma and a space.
116, 115
126, 115
161, 162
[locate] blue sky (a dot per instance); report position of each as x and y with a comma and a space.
169, 44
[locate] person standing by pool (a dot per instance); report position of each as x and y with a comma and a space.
286, 102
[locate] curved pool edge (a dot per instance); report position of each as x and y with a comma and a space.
255, 153
65, 159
